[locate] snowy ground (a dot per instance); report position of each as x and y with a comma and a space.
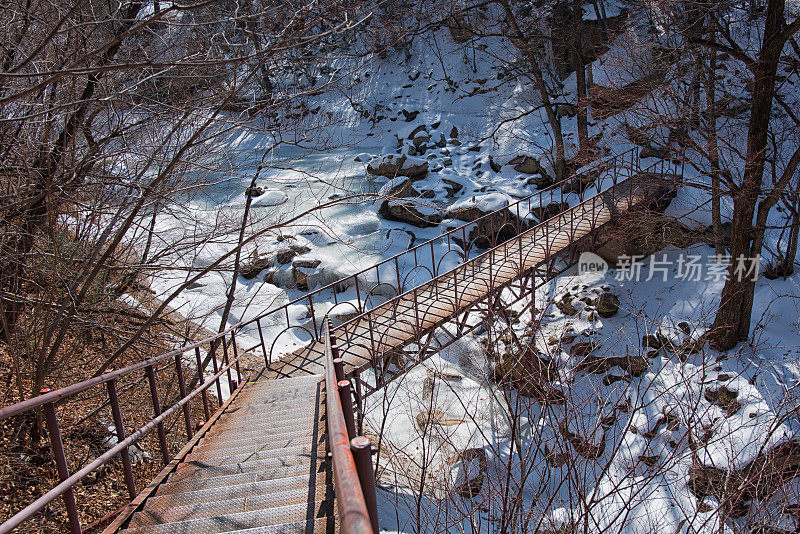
650, 427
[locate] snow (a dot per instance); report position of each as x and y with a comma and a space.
270, 198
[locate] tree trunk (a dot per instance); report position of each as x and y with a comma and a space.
711, 143
580, 76
732, 323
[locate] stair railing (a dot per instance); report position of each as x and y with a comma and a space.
353, 474
47, 402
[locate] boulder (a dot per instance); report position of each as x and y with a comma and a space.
489, 231
530, 373
392, 166
607, 305
650, 152
564, 304
250, 270
420, 140
634, 365
287, 254
410, 115
724, 398
451, 187
540, 181
762, 476
306, 264
526, 165
410, 213
642, 233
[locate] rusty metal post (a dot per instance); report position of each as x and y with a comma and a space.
201, 380
359, 402
347, 407
338, 368
182, 388
61, 464
127, 470
362, 456
213, 348
162, 437
263, 345
236, 358
226, 362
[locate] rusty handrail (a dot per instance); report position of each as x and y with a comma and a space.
121, 447
354, 517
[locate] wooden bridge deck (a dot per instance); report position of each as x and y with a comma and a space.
260, 465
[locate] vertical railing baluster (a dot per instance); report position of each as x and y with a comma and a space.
201, 380
182, 388
358, 297
215, 366
359, 401
236, 358
267, 358
116, 415
162, 437
314, 319
433, 261
61, 464
225, 363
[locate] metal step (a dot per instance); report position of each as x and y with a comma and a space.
254, 404
242, 491
241, 523
211, 457
276, 420
228, 481
256, 429
258, 443
266, 473
283, 512
240, 466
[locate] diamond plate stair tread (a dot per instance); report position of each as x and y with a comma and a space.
241, 491
268, 472
222, 457
242, 448
292, 427
260, 424
245, 522
283, 512
254, 444
279, 483
230, 467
